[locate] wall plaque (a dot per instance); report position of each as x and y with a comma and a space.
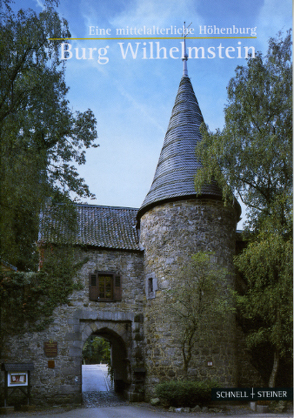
51, 364
50, 348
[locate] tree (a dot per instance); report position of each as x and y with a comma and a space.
41, 137
96, 350
252, 157
201, 298
266, 306
28, 299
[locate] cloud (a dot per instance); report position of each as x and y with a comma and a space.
274, 16
139, 106
138, 13
40, 4
160, 13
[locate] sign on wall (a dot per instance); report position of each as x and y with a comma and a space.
50, 348
17, 379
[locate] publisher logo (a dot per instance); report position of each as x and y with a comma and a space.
252, 394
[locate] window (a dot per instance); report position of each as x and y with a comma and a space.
104, 286
151, 286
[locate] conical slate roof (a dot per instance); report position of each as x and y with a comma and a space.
177, 164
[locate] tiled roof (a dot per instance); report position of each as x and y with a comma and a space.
177, 164
98, 226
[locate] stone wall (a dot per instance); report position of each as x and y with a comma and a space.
73, 323
143, 338
170, 234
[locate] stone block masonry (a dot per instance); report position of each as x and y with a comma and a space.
74, 322
145, 346
170, 234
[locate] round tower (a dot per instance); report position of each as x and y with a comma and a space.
175, 223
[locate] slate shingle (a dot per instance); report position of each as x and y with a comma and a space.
177, 164
97, 226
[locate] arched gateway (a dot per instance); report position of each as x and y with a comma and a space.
119, 336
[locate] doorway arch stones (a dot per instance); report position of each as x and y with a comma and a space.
125, 328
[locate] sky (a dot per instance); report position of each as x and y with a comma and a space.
132, 90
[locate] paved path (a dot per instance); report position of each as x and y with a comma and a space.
140, 411
102, 399
95, 378
101, 402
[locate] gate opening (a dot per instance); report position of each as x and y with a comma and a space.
96, 368
104, 367
96, 350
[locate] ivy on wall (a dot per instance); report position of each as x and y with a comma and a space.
28, 299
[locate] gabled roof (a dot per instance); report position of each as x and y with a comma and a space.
177, 164
98, 226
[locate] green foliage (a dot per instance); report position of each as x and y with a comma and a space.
41, 138
200, 299
28, 299
184, 393
96, 350
266, 307
252, 155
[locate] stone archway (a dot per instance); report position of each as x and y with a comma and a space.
125, 330
118, 334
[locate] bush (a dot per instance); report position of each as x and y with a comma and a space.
184, 393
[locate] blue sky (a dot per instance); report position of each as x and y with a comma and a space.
132, 98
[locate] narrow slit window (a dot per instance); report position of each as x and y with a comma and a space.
150, 285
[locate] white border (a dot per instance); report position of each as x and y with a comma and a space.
10, 383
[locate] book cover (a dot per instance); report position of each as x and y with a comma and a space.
131, 62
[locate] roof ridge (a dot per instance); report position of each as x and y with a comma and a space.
105, 206
96, 206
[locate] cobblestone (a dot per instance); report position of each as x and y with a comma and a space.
102, 399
